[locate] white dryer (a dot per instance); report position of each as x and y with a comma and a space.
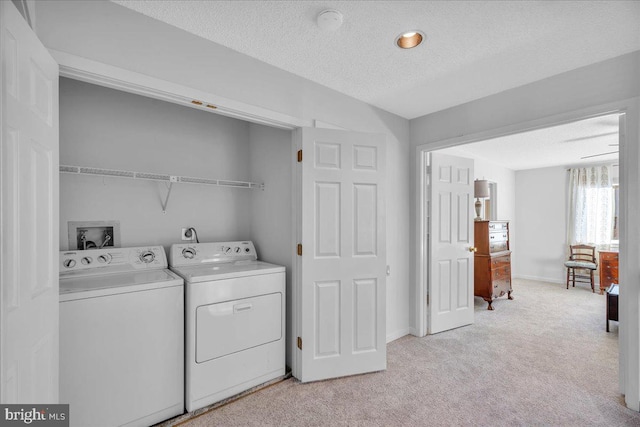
234, 317
121, 337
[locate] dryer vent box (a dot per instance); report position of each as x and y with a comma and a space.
93, 234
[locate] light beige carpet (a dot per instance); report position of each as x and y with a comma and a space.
543, 359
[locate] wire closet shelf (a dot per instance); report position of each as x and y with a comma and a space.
169, 179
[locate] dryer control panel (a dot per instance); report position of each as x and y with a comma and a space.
112, 260
201, 253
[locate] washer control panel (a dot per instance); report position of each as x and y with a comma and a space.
102, 261
199, 253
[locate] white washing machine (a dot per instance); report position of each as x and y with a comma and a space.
121, 337
234, 316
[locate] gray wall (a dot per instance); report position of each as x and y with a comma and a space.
271, 163
105, 128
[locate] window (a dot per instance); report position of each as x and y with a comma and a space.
591, 206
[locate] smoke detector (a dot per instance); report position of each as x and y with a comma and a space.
329, 19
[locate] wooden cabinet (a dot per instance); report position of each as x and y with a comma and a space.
608, 269
492, 261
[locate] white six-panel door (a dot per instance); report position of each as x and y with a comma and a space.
450, 240
28, 215
341, 292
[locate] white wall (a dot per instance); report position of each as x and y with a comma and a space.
105, 128
108, 33
541, 211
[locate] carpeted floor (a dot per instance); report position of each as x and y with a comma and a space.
543, 359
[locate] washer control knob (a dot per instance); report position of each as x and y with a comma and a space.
69, 263
227, 250
104, 259
189, 253
247, 250
147, 257
86, 260
237, 249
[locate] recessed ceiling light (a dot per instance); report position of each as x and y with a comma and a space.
409, 39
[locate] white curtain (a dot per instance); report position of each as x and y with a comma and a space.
590, 219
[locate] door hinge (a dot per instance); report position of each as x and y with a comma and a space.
299, 249
300, 343
299, 156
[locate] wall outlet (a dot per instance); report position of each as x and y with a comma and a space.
187, 234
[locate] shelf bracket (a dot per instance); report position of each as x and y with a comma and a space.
166, 199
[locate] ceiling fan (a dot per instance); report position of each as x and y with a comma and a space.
603, 154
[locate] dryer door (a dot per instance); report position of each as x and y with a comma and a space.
229, 327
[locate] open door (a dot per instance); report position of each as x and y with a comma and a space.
451, 247
340, 298
28, 215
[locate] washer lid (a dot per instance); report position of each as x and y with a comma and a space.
226, 270
73, 288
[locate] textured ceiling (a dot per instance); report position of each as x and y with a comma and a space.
473, 48
562, 145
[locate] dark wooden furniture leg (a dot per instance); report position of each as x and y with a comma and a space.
612, 304
509, 295
608, 302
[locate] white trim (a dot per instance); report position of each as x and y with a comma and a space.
398, 334
422, 250
629, 353
549, 121
101, 74
296, 234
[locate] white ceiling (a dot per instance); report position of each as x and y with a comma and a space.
473, 48
563, 145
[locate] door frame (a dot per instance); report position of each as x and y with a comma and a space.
629, 111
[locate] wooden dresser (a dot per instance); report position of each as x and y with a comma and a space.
492, 261
608, 269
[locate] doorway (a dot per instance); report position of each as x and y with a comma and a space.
600, 142
459, 144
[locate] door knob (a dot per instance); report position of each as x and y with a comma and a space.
473, 249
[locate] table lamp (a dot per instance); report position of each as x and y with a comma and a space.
480, 191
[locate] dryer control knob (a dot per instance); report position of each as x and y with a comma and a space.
104, 259
189, 253
237, 249
69, 263
147, 257
86, 260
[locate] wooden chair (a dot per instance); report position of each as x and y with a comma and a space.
583, 257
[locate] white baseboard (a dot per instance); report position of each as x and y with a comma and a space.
541, 279
398, 334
